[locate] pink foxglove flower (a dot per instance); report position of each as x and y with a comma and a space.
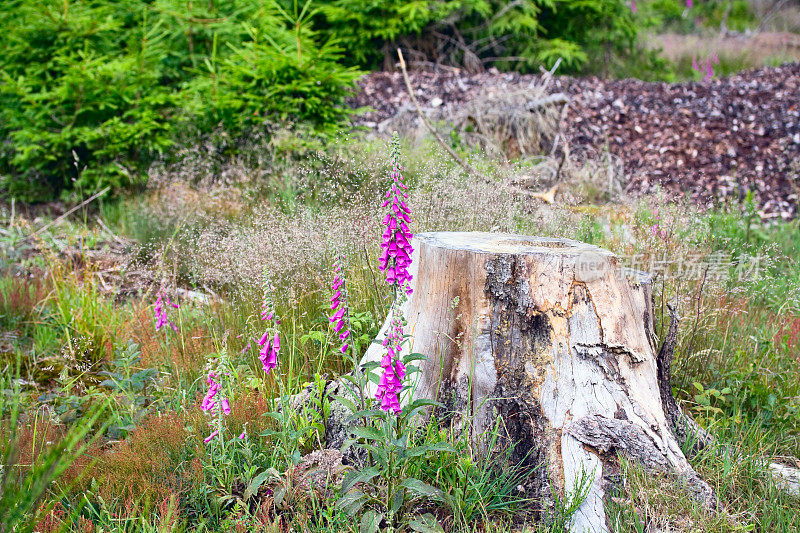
710, 62
394, 371
396, 246
270, 342
707, 67
161, 313
341, 316
709, 72
395, 261
269, 354
209, 402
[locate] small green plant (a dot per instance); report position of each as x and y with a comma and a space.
385, 489
141, 516
133, 389
705, 397
476, 484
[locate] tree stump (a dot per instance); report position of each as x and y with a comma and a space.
552, 341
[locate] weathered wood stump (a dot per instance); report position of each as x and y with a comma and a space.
552, 340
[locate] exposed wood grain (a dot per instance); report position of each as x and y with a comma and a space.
552, 340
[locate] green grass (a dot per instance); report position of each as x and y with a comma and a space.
736, 467
736, 366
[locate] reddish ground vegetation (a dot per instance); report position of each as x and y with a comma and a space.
157, 462
22, 296
186, 359
789, 336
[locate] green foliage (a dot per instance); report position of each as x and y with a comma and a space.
92, 91
142, 516
85, 103
674, 15
473, 33
475, 486
736, 464
133, 387
385, 490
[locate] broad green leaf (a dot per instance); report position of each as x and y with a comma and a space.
358, 476
410, 358
416, 406
279, 494
420, 488
367, 413
397, 501
426, 523
369, 433
351, 502
370, 522
424, 403
378, 454
351, 406
257, 481
417, 451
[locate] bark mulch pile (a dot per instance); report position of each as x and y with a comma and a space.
712, 141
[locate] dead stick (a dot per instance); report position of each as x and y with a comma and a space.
548, 75
466, 166
108, 230
68, 213
560, 127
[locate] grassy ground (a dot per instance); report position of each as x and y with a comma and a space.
729, 54
76, 312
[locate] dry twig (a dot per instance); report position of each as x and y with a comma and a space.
466, 166
68, 213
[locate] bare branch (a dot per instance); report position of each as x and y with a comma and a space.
466, 166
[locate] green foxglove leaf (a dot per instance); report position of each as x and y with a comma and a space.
422, 489
426, 523
358, 476
370, 522
352, 502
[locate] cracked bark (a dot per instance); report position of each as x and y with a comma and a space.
683, 425
552, 342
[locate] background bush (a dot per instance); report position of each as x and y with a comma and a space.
91, 91
521, 34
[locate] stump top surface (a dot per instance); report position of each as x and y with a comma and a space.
506, 243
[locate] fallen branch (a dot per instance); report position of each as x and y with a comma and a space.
68, 213
466, 166
547, 75
110, 233
550, 99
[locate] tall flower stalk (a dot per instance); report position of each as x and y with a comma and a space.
340, 320
395, 260
396, 246
216, 402
341, 314
269, 343
160, 311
